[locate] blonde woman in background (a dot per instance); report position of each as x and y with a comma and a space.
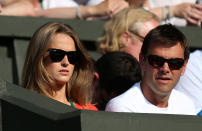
126, 31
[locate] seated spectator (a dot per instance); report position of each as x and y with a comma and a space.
177, 12
136, 3
116, 73
200, 113
57, 66
126, 31
191, 82
111, 42
87, 9
68, 3
0, 8
106, 8
19, 7
163, 59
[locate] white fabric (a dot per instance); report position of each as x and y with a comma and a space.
191, 82
133, 100
162, 3
94, 2
68, 3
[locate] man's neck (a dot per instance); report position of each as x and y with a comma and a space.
157, 99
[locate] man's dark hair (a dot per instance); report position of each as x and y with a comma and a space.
168, 35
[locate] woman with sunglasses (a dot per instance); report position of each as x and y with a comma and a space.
57, 66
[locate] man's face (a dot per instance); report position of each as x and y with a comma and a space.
162, 79
135, 43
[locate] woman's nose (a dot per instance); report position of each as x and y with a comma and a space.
65, 61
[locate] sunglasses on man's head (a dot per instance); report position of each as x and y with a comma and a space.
141, 38
57, 55
173, 63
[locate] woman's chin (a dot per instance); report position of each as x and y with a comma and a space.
61, 81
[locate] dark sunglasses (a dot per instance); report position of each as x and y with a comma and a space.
157, 62
141, 38
57, 55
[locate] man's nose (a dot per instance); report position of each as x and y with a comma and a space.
165, 68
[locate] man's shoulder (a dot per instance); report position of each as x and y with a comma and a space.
123, 102
129, 94
195, 59
179, 96
183, 102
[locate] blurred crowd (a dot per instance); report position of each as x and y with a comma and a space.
177, 12
146, 64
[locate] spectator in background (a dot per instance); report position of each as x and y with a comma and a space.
163, 59
191, 82
127, 20
177, 12
68, 9
19, 7
126, 31
136, 3
116, 73
68, 3
106, 8
200, 113
57, 66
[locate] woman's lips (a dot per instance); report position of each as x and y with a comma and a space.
64, 72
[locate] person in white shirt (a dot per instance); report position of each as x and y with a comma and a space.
177, 12
66, 9
191, 82
68, 3
82, 9
19, 7
163, 59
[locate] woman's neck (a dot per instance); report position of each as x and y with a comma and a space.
59, 94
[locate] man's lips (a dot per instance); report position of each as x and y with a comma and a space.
163, 79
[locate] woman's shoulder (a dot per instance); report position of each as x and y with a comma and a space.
87, 107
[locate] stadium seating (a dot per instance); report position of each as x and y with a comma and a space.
24, 110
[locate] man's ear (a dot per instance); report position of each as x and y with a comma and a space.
184, 67
141, 58
142, 62
125, 38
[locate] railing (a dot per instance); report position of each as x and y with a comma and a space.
24, 110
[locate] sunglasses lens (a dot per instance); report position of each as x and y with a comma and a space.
56, 55
72, 57
175, 64
155, 61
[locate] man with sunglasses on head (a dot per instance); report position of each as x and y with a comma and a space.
163, 59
